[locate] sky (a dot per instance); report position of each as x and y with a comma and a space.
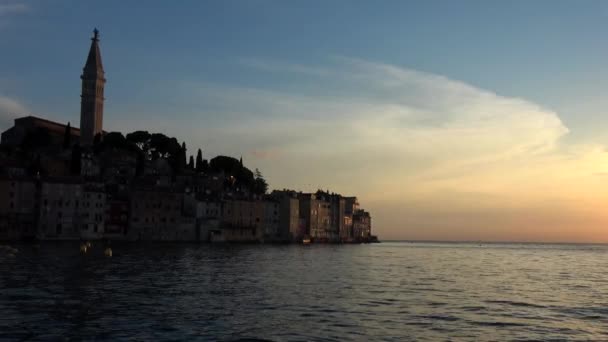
460, 120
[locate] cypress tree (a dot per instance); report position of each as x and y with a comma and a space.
182, 156
191, 163
67, 137
199, 161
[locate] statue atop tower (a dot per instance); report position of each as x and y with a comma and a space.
91, 102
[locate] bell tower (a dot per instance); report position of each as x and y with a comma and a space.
91, 99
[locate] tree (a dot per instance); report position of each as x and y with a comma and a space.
191, 163
199, 161
260, 186
114, 140
141, 139
76, 161
232, 167
182, 156
67, 137
162, 146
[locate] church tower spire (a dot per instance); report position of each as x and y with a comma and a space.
91, 102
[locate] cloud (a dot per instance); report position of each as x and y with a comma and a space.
9, 9
462, 156
10, 109
282, 67
265, 154
391, 121
13, 8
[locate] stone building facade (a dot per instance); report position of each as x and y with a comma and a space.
17, 208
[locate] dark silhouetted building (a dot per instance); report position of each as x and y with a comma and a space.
31, 126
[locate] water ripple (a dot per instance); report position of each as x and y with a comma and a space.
389, 291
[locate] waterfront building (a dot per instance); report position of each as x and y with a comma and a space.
155, 214
289, 215
241, 221
17, 208
91, 211
270, 222
208, 218
338, 209
59, 201
315, 209
70, 209
117, 217
308, 214
78, 183
362, 225
351, 205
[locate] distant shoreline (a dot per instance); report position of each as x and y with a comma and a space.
498, 242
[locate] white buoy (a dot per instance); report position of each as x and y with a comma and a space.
108, 252
83, 248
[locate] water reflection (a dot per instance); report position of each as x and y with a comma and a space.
390, 291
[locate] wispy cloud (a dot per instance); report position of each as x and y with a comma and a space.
282, 67
389, 133
10, 8
10, 109
390, 112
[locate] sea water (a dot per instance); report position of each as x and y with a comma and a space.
389, 291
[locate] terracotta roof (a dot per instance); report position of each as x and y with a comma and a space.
57, 125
